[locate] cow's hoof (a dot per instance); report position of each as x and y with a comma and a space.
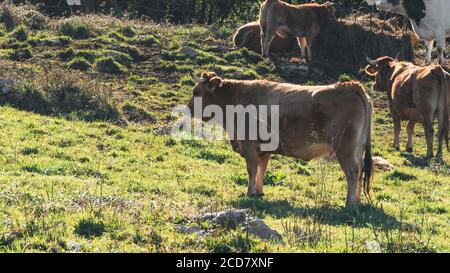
259, 194
409, 149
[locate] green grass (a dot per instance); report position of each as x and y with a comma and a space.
84, 165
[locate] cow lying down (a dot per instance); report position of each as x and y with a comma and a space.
415, 94
313, 121
249, 36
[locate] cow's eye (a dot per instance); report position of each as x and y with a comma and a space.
196, 93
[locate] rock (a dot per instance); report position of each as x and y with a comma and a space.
6, 86
74, 247
373, 247
258, 228
382, 163
188, 51
228, 218
191, 230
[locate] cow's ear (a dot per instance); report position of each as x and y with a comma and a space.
214, 83
371, 70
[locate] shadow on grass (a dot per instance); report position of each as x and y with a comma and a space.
359, 216
415, 160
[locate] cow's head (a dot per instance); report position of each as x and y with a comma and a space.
395, 6
381, 69
207, 84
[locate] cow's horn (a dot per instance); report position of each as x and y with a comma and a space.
198, 79
369, 60
397, 56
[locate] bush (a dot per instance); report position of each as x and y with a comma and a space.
79, 64
12, 16
75, 29
56, 91
109, 66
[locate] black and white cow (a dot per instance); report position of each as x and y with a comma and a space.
430, 20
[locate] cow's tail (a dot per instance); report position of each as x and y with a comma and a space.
368, 164
367, 171
443, 111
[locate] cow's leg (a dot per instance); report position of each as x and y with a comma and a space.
302, 44
262, 166
429, 46
410, 131
251, 156
429, 132
309, 43
266, 40
397, 128
440, 44
352, 172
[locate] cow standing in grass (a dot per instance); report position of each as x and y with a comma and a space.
301, 21
416, 94
249, 36
313, 121
429, 18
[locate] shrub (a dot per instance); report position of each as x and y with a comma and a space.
75, 29
14, 15
109, 66
79, 64
56, 91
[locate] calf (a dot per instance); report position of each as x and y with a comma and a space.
313, 121
302, 21
429, 18
415, 94
249, 36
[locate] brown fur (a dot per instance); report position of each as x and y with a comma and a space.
249, 36
302, 21
415, 94
314, 121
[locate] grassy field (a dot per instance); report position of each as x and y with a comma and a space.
86, 165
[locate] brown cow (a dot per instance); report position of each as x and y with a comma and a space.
302, 21
249, 36
415, 94
313, 121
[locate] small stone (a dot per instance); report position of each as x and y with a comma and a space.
260, 229
373, 247
382, 163
191, 230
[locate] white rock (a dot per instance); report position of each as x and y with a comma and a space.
382, 163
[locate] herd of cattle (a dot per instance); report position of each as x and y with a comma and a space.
336, 119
